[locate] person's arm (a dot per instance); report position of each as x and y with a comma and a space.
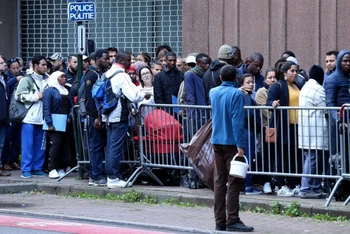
26, 92
47, 100
128, 88
274, 95
237, 115
260, 99
331, 96
190, 89
158, 89
11, 83
90, 80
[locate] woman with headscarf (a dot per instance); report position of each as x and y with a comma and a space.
56, 101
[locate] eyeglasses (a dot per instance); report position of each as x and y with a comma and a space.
12, 60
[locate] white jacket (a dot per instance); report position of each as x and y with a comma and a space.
121, 84
27, 92
312, 124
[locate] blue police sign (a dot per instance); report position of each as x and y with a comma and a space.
81, 11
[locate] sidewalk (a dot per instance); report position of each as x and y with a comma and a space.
175, 219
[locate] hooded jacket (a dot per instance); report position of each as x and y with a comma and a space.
211, 77
337, 86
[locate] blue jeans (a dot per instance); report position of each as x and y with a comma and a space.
249, 148
3, 127
310, 167
33, 147
116, 136
97, 143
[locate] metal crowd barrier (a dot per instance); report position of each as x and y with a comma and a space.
157, 131
81, 137
159, 148
161, 129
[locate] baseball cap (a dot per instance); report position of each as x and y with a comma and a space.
292, 59
225, 52
56, 56
191, 59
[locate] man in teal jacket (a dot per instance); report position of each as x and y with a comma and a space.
227, 139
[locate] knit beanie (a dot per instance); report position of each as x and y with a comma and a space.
316, 72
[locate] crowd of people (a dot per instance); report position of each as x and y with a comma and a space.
49, 88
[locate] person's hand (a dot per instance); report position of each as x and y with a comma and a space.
148, 96
97, 123
69, 121
240, 152
276, 103
243, 91
19, 78
52, 128
40, 95
133, 111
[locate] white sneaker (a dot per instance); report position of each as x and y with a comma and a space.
285, 192
296, 190
61, 173
117, 183
54, 174
267, 188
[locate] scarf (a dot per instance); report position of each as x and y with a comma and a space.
53, 82
266, 86
198, 70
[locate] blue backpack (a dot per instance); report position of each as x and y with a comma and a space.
106, 100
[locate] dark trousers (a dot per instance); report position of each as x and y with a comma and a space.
225, 212
12, 147
288, 159
97, 143
116, 139
60, 154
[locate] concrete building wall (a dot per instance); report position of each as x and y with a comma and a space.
8, 28
309, 28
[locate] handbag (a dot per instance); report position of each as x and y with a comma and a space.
270, 135
17, 109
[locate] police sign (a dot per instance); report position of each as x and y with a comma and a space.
81, 11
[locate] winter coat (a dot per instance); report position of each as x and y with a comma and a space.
211, 77
312, 124
337, 86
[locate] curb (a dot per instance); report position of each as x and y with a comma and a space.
162, 196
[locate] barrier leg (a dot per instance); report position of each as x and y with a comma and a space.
139, 171
329, 199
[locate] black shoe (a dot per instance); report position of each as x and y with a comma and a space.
220, 228
238, 227
184, 182
193, 185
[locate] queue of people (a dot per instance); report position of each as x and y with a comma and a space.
48, 87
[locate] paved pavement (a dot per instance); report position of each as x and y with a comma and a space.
166, 217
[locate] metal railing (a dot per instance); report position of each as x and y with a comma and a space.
158, 131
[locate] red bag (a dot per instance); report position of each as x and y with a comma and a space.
200, 154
